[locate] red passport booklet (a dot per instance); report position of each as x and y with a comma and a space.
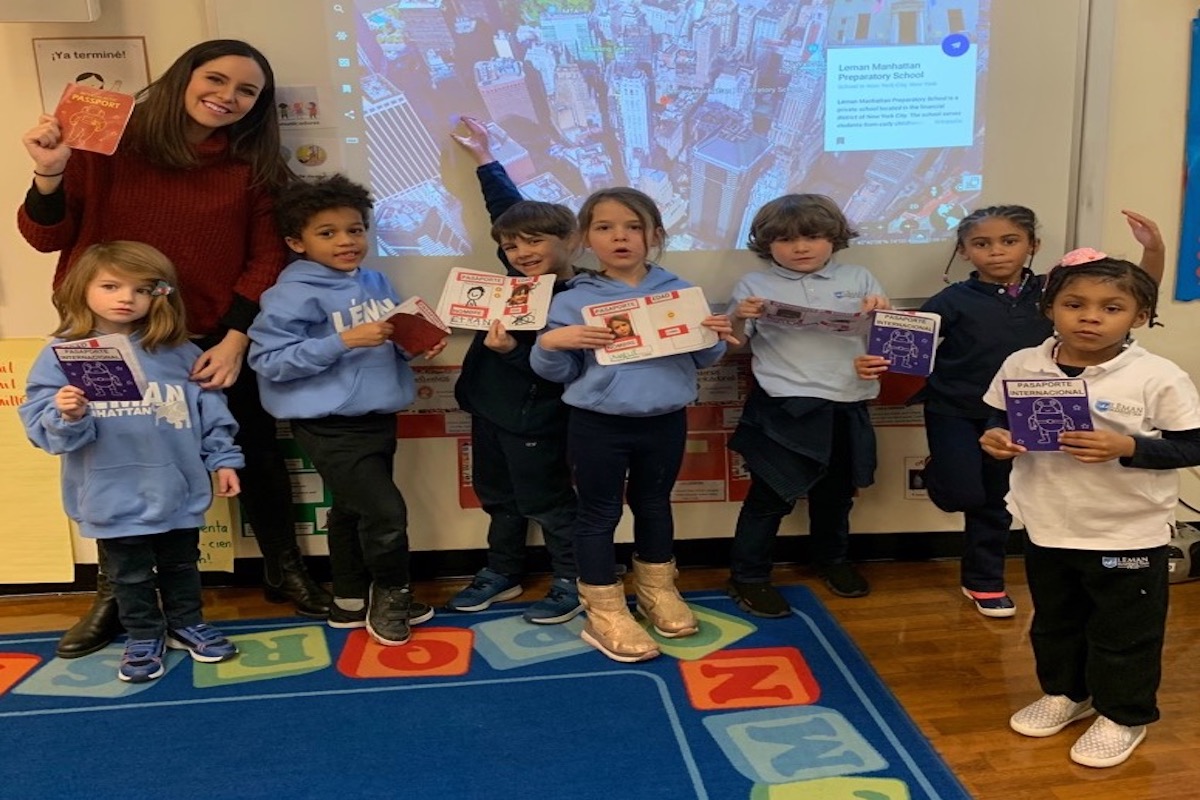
93, 119
416, 327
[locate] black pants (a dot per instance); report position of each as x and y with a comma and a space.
604, 450
518, 479
1099, 619
142, 569
961, 477
266, 495
368, 519
830, 501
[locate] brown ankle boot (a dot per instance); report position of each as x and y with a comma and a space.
610, 627
658, 600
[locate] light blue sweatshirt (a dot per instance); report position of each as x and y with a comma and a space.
305, 370
138, 467
636, 389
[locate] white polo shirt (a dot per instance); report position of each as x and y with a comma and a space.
791, 362
1065, 503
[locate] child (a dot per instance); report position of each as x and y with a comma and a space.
985, 318
518, 420
804, 431
1099, 511
341, 384
136, 474
626, 421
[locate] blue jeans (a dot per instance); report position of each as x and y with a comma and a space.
142, 569
603, 450
961, 477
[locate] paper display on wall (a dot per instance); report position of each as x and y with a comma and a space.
113, 63
36, 547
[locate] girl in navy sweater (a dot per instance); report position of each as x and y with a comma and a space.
986, 318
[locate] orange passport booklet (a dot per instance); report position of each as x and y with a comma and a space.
93, 119
416, 327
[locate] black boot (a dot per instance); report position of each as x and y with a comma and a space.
99, 626
287, 581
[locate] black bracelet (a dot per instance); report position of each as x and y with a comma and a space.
49, 174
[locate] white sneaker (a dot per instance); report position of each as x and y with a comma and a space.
1049, 715
1106, 744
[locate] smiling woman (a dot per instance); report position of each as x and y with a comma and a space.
194, 177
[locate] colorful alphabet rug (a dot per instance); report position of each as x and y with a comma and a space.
475, 706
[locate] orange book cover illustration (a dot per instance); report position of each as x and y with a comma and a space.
93, 119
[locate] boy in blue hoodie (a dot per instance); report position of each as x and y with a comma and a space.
322, 349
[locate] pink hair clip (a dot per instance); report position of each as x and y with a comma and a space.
161, 289
1082, 255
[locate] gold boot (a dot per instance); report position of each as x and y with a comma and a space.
658, 600
610, 627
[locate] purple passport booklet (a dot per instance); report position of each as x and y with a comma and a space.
906, 338
1040, 410
105, 367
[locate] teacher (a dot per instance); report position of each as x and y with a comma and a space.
193, 176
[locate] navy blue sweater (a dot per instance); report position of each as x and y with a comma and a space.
501, 387
981, 326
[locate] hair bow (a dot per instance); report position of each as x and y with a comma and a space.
1082, 255
161, 289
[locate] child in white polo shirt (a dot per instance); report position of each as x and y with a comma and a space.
804, 431
1098, 511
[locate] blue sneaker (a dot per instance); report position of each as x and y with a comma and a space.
560, 604
203, 641
487, 587
142, 661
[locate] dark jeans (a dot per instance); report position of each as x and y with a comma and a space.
266, 495
143, 569
368, 519
829, 503
961, 477
1099, 620
603, 450
518, 479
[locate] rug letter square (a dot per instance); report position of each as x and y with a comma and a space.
780, 745
751, 678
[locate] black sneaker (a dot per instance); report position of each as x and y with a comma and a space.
388, 612
759, 599
339, 617
844, 580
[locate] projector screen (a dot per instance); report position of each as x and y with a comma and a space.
909, 113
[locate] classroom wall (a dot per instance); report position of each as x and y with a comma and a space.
1133, 160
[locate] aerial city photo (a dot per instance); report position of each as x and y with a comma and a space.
711, 107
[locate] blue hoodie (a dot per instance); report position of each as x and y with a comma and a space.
305, 370
139, 467
636, 389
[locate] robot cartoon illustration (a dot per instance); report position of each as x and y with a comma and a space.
1049, 419
901, 349
100, 382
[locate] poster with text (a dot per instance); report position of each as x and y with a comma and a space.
114, 63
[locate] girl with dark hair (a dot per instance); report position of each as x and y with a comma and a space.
1100, 509
194, 177
985, 318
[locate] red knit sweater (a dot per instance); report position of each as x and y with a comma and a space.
218, 231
